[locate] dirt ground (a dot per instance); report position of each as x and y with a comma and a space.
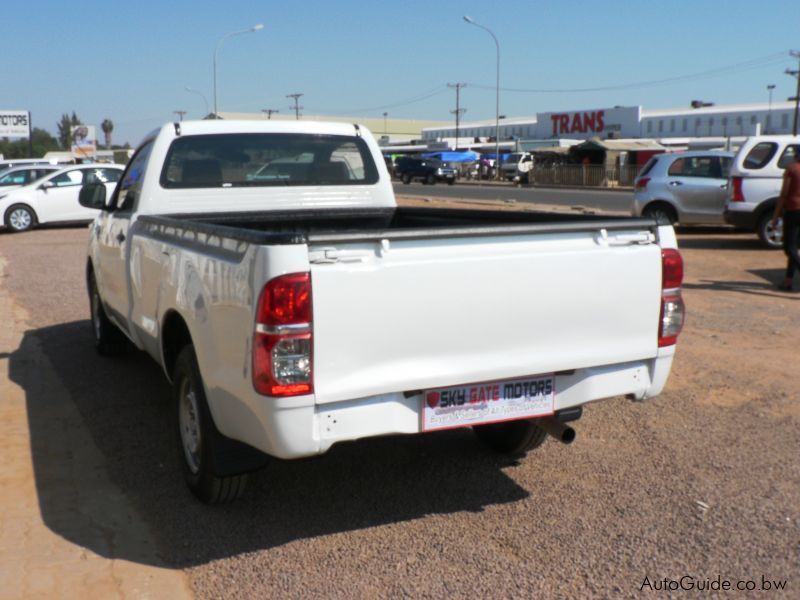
701, 482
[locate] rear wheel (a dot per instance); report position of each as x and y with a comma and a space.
200, 442
771, 237
20, 217
406, 179
662, 213
514, 437
430, 179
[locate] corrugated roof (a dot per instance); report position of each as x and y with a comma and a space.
622, 145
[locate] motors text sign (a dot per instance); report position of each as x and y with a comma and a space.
14, 124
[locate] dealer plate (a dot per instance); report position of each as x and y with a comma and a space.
490, 402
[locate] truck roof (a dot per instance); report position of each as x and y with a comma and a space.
266, 126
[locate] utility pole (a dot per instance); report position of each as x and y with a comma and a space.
770, 87
796, 74
180, 114
269, 111
458, 111
296, 108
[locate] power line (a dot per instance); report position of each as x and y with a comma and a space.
755, 63
419, 98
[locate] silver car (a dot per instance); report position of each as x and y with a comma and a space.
684, 187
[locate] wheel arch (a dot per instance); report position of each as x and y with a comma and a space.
660, 203
765, 206
175, 335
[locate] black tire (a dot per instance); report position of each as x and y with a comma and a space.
199, 441
406, 178
20, 217
430, 179
451, 181
662, 213
770, 237
108, 339
514, 437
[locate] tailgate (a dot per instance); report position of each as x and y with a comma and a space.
409, 315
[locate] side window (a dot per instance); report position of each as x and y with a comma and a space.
127, 193
102, 176
74, 177
789, 156
725, 165
677, 167
760, 155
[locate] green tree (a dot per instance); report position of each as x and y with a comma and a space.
107, 126
41, 143
65, 126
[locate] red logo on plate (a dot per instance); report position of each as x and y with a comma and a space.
432, 398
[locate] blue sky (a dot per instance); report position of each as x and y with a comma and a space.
131, 61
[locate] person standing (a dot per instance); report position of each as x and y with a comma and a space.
789, 205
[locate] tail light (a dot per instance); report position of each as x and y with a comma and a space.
672, 307
737, 195
282, 343
641, 184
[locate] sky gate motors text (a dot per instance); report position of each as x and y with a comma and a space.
479, 394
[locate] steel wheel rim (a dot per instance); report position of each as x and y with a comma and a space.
189, 425
20, 219
774, 233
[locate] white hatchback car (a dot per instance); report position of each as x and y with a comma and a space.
684, 187
54, 198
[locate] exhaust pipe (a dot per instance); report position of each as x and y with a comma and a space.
560, 431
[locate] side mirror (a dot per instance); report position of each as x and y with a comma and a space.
93, 195
46, 185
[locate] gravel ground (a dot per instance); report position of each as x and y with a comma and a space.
702, 481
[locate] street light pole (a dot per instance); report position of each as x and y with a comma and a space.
770, 87
471, 21
796, 97
188, 89
252, 29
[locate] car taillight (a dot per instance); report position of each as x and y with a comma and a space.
641, 184
282, 342
737, 195
672, 307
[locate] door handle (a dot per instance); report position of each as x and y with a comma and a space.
724, 186
120, 237
675, 183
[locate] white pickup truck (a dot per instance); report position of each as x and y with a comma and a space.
294, 305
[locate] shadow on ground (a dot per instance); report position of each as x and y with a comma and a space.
766, 287
722, 238
122, 407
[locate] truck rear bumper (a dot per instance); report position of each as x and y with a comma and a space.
296, 427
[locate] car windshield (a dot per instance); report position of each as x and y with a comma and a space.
235, 160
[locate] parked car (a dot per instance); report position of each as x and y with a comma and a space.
517, 167
755, 184
15, 177
292, 315
427, 170
54, 198
684, 187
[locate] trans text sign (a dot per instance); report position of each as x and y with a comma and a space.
620, 121
14, 124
